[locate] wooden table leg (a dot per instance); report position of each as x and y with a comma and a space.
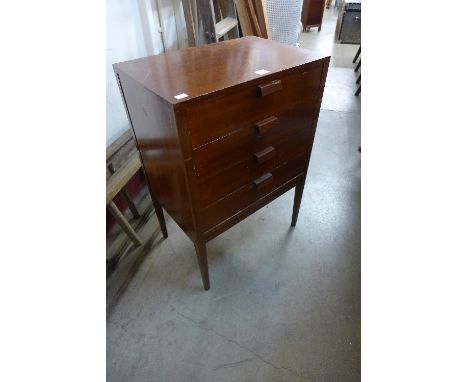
200, 248
160, 216
297, 201
123, 223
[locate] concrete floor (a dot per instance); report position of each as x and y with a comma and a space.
284, 303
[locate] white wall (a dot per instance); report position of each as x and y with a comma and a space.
134, 30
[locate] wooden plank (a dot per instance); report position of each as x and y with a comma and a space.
262, 18
123, 222
253, 18
130, 263
120, 243
125, 194
189, 22
121, 157
118, 180
228, 9
224, 26
244, 19
118, 144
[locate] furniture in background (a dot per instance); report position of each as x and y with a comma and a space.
126, 248
312, 13
217, 147
348, 24
210, 21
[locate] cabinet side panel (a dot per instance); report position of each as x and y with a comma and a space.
153, 123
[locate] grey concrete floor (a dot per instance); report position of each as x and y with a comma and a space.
284, 303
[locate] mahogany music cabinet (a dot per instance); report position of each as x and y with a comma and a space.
223, 129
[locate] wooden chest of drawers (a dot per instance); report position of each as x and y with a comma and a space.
223, 129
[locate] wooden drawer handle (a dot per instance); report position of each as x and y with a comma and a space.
265, 154
265, 125
269, 88
263, 181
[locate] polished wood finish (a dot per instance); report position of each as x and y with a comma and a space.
231, 143
312, 13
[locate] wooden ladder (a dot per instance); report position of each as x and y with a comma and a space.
210, 21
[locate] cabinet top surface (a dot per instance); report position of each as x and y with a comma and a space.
193, 72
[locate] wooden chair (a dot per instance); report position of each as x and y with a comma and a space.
123, 258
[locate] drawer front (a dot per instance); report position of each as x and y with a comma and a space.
243, 144
217, 117
226, 207
214, 187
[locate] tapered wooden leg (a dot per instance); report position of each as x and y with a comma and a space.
297, 201
160, 216
200, 248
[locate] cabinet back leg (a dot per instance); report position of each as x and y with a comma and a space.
160, 215
297, 201
200, 248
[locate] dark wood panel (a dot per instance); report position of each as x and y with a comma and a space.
216, 186
245, 143
152, 120
312, 13
255, 206
221, 116
243, 197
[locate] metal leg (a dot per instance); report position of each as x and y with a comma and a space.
123, 223
358, 91
357, 54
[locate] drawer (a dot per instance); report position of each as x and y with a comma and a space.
214, 187
228, 206
240, 145
220, 115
